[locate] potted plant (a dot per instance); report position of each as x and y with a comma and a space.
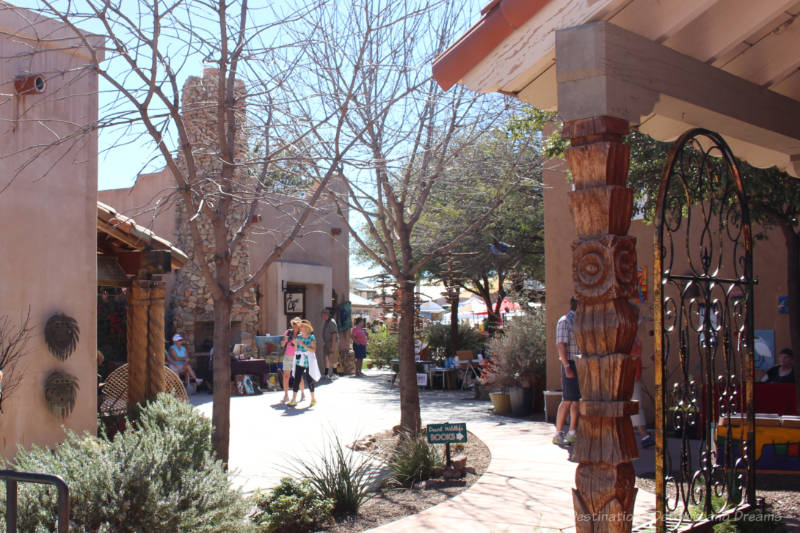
490, 379
518, 357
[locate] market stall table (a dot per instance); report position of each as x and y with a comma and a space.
423, 367
254, 367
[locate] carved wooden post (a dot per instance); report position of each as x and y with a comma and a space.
137, 326
155, 340
604, 272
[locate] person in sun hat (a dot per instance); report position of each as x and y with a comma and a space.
305, 361
178, 360
289, 351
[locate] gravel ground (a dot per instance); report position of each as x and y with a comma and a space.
781, 495
390, 504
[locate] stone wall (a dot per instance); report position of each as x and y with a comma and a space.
191, 300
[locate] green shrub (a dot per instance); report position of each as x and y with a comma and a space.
414, 460
340, 475
291, 507
382, 347
519, 351
162, 476
438, 338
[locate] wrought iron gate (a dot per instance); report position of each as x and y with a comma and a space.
705, 460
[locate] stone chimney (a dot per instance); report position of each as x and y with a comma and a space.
193, 307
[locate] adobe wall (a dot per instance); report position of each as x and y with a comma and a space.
559, 232
148, 202
48, 213
769, 267
323, 242
151, 204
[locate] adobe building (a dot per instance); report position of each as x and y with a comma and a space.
741, 52
48, 212
770, 269
729, 68
308, 276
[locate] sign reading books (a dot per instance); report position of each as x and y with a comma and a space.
447, 434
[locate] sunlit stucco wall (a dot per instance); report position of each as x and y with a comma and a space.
48, 216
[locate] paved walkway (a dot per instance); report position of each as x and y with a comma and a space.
527, 487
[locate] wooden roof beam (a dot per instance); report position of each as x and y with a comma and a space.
604, 70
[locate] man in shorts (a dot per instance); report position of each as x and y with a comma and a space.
330, 344
571, 393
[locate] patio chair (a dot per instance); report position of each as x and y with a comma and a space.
114, 398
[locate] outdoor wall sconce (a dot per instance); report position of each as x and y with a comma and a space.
30, 84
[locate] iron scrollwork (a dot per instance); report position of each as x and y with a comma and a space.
704, 337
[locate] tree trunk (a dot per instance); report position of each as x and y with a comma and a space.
454, 342
221, 413
409, 392
793, 289
485, 289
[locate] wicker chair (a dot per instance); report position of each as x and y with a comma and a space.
114, 398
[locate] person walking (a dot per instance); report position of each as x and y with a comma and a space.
289, 350
359, 336
571, 393
330, 343
305, 361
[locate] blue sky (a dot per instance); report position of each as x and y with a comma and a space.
124, 155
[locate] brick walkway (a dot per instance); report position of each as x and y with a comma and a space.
527, 486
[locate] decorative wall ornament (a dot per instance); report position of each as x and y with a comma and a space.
61, 333
61, 392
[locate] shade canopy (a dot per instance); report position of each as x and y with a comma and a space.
728, 65
431, 307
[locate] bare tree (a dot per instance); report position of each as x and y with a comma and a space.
405, 148
13, 340
266, 109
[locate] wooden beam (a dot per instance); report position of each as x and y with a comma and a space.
113, 231
604, 70
657, 20
772, 59
724, 26
145, 262
512, 64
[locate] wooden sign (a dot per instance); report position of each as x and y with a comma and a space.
447, 433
